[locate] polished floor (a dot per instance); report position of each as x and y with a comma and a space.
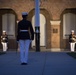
40, 63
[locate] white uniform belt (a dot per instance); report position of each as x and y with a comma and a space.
23, 30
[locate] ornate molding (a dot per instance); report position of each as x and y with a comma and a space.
55, 22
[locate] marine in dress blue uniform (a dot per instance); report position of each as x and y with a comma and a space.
25, 35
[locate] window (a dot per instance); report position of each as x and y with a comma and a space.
8, 24
69, 23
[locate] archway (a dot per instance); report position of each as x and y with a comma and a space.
68, 23
47, 26
42, 30
8, 23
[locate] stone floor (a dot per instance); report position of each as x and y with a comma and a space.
40, 63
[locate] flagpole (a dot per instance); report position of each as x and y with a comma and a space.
37, 25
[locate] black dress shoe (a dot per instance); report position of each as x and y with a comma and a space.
23, 63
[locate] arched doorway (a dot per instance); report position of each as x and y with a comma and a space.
45, 29
42, 30
8, 23
68, 23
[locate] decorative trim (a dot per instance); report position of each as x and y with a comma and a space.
5, 8
56, 49
51, 50
55, 22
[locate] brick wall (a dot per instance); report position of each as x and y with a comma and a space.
54, 8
